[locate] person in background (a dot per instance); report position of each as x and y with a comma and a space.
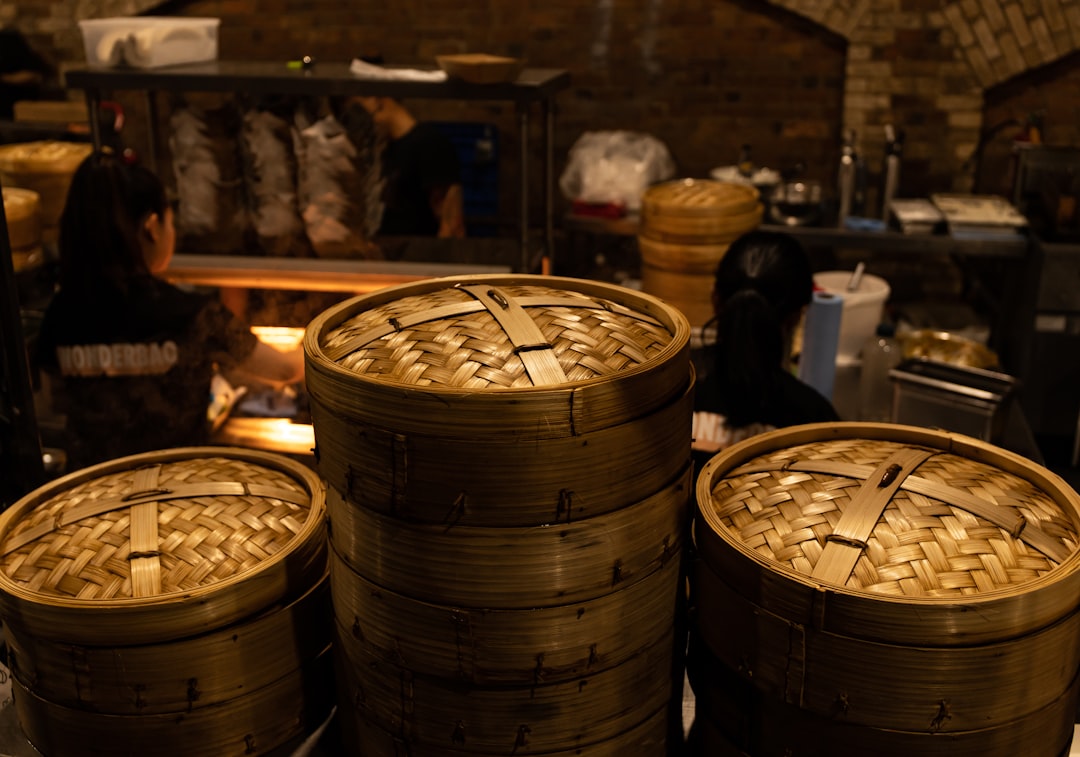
422, 194
763, 284
133, 354
22, 71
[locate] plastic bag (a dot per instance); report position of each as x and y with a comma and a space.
615, 167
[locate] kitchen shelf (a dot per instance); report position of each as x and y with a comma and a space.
533, 86
311, 274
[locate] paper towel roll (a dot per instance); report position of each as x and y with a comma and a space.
821, 335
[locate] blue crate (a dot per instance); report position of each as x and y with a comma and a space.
477, 146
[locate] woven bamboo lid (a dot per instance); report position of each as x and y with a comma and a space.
161, 545
698, 211
461, 356
906, 534
45, 156
694, 197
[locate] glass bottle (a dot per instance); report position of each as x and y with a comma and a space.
880, 354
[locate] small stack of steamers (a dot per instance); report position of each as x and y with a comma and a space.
686, 227
883, 589
508, 470
169, 603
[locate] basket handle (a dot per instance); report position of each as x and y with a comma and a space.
846, 544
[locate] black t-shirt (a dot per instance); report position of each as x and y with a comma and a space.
413, 166
789, 402
135, 368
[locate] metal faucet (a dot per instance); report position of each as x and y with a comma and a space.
894, 144
851, 180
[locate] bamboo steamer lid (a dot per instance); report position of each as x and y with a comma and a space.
699, 211
447, 375
42, 157
945, 565
915, 553
161, 545
22, 208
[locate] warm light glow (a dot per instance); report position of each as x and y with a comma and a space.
276, 434
283, 338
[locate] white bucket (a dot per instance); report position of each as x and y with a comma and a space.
863, 308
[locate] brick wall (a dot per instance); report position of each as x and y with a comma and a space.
702, 75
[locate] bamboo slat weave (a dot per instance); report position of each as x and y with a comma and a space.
223, 516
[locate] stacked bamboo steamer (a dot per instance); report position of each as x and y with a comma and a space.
883, 589
169, 603
686, 227
22, 211
508, 469
45, 167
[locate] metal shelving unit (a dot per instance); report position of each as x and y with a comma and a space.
534, 86
21, 465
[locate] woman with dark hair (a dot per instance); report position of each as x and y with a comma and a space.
134, 355
763, 284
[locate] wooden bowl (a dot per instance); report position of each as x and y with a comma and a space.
481, 68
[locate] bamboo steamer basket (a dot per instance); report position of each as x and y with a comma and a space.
503, 647
45, 167
22, 209
531, 377
686, 227
690, 293
529, 625
500, 425
469, 566
428, 714
135, 594
942, 564
699, 211
647, 737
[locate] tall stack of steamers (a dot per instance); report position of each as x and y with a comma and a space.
507, 461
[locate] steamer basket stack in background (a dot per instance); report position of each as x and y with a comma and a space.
45, 167
686, 227
170, 603
508, 468
881, 589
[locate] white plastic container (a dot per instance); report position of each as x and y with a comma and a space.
149, 41
862, 308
